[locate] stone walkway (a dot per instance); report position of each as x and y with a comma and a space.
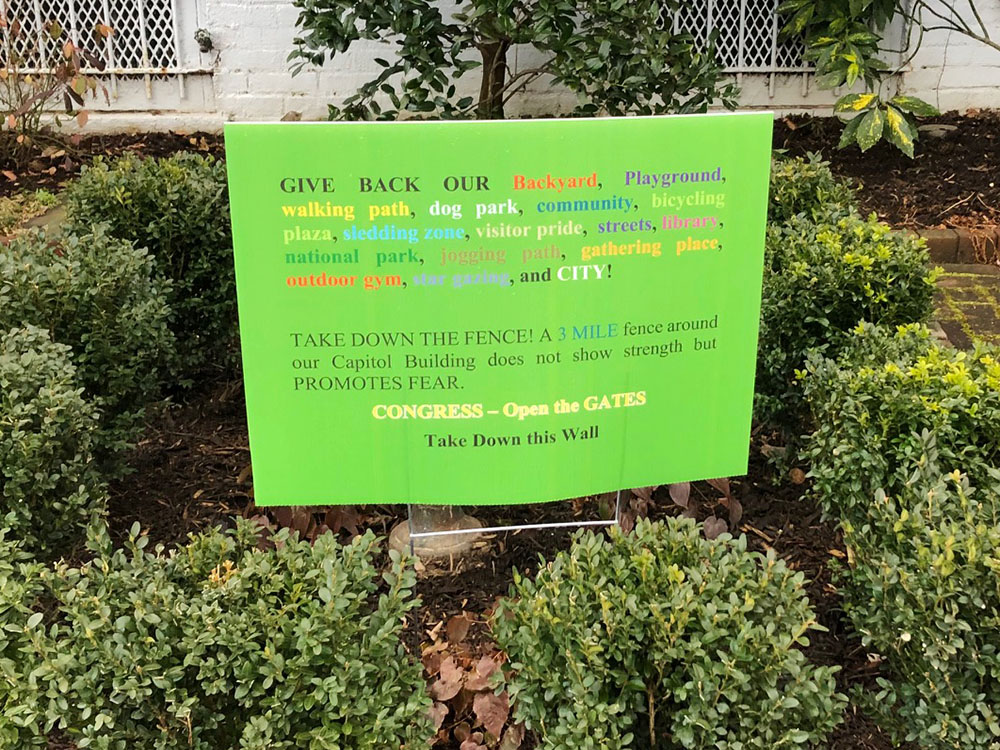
968, 304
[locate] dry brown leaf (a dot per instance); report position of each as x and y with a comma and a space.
513, 738
343, 517
492, 711
478, 679
645, 493
449, 682
714, 527
722, 485
433, 633
438, 711
245, 472
461, 704
435, 647
462, 731
283, 516
735, 511
773, 451
432, 662
680, 493
458, 627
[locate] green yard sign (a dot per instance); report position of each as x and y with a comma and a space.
497, 312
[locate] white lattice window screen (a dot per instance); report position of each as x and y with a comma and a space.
747, 34
144, 39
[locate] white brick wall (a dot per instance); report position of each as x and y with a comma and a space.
251, 78
955, 72
254, 38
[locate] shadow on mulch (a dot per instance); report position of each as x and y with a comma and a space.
190, 470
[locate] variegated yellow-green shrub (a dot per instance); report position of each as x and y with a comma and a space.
807, 188
892, 392
821, 280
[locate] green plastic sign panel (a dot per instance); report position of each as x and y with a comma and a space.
497, 312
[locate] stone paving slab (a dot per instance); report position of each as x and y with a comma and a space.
54, 217
967, 303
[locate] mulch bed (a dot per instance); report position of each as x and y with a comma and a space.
191, 471
57, 164
953, 180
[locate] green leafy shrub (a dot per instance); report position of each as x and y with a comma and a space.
664, 639
904, 427
177, 208
924, 594
97, 295
48, 486
807, 188
820, 280
223, 644
875, 408
21, 715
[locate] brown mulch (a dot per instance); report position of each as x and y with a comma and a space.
57, 164
952, 181
190, 470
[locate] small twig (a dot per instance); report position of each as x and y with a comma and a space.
758, 532
957, 204
987, 206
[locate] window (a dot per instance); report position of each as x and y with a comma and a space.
748, 35
144, 38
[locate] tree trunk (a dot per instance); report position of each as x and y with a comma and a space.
494, 77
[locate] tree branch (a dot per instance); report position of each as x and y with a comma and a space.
971, 34
533, 72
953, 21
979, 18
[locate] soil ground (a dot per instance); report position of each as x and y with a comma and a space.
55, 166
952, 181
